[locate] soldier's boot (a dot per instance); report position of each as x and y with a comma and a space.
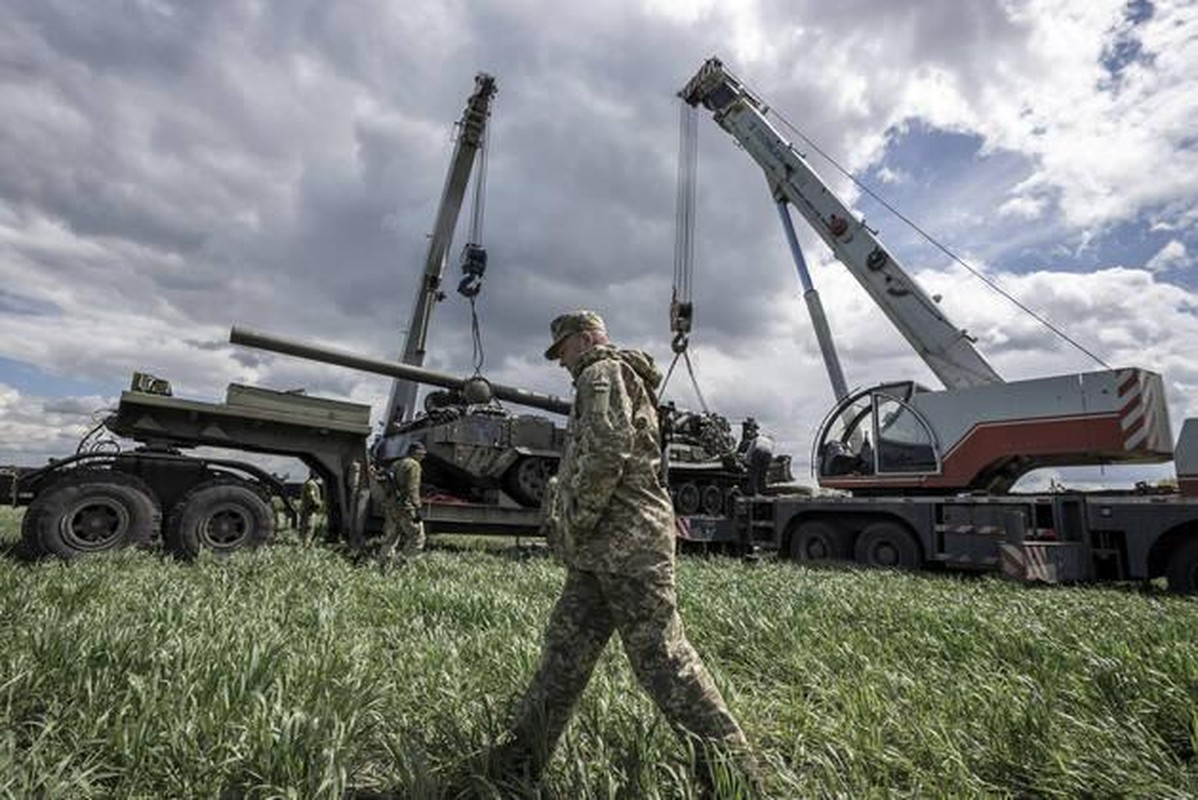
515, 764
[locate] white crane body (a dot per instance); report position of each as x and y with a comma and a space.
925, 477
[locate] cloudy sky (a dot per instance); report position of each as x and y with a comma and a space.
169, 169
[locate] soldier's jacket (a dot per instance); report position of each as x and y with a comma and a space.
611, 512
310, 499
405, 477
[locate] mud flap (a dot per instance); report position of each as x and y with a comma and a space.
1044, 562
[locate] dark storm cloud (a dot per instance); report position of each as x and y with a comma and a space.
294, 168
169, 169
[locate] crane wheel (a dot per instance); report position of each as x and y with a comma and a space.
1182, 571
90, 511
713, 500
222, 516
817, 541
888, 545
688, 499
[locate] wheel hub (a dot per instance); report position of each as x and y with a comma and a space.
886, 554
94, 524
226, 526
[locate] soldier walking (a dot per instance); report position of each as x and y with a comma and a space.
402, 524
611, 522
311, 504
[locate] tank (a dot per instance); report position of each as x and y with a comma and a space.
480, 452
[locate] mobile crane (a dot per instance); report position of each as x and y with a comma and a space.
925, 475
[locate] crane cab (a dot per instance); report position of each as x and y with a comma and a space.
984, 438
875, 433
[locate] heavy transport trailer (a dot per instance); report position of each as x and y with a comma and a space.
160, 494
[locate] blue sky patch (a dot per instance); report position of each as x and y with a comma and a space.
1127, 48
945, 183
12, 303
31, 380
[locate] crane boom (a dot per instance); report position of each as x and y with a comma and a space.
471, 129
945, 348
979, 433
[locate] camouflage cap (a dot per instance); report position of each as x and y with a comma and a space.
416, 447
566, 325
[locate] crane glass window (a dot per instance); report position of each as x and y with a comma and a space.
904, 442
844, 447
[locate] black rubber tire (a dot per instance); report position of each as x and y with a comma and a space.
1182, 569
712, 502
91, 511
525, 480
687, 499
888, 545
222, 517
816, 541
30, 545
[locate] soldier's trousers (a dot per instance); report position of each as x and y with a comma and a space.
400, 528
644, 611
307, 526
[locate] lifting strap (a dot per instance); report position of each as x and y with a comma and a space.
474, 255
681, 307
690, 371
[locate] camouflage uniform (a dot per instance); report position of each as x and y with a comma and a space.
401, 509
611, 522
311, 504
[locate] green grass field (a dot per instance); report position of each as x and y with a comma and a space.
290, 673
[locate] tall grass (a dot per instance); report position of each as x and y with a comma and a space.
291, 673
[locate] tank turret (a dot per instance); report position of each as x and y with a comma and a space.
477, 451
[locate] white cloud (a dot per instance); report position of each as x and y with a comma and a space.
1023, 207
891, 176
35, 429
1172, 256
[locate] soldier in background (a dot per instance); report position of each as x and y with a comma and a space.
611, 523
311, 504
402, 524
757, 453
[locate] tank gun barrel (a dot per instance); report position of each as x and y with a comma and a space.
394, 369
